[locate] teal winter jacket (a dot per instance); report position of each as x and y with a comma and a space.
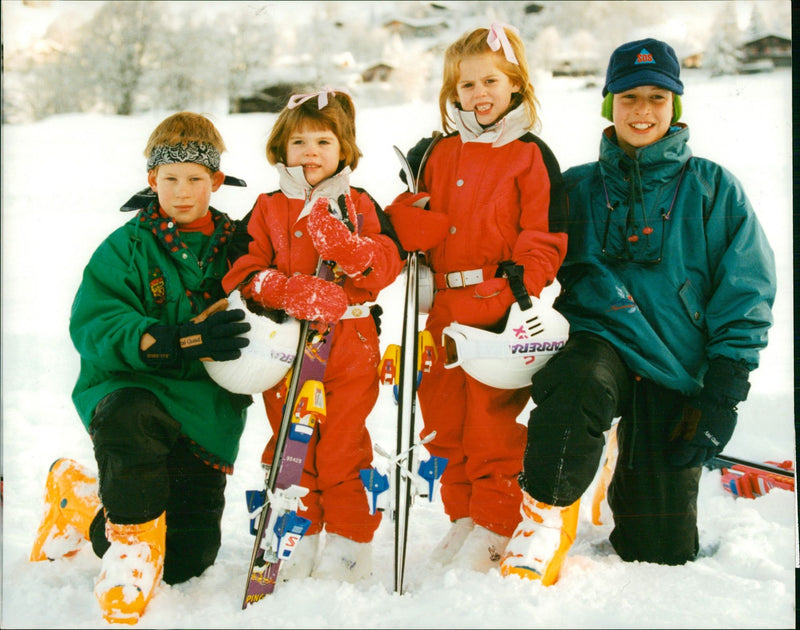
145, 273
666, 260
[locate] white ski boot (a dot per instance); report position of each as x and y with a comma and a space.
481, 550
301, 562
452, 541
344, 560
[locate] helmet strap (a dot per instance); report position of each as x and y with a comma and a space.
514, 273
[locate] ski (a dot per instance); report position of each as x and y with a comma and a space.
748, 479
403, 470
406, 411
279, 527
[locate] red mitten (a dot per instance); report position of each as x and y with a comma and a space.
314, 299
482, 305
268, 287
418, 229
335, 242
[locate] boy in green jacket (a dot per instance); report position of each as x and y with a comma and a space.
668, 286
164, 434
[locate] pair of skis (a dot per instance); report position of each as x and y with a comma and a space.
402, 366
416, 355
746, 479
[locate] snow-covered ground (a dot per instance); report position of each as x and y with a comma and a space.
62, 181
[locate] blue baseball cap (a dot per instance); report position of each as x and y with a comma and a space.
643, 62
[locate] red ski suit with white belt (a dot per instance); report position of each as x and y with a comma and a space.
342, 446
501, 191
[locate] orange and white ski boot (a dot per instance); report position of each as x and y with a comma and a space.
71, 502
541, 541
132, 568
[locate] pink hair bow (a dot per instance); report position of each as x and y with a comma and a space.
322, 97
497, 37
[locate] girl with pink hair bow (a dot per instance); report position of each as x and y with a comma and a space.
493, 207
317, 214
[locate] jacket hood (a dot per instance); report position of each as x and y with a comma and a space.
509, 128
294, 185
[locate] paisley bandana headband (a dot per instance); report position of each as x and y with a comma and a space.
197, 152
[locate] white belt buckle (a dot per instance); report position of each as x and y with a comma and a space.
454, 279
458, 279
357, 311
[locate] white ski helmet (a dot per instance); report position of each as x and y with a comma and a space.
425, 287
265, 360
508, 359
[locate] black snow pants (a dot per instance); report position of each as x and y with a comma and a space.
145, 468
578, 394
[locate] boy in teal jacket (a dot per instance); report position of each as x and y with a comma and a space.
164, 434
668, 286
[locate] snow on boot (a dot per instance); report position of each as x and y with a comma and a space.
301, 562
70, 505
541, 541
343, 560
453, 540
132, 568
481, 550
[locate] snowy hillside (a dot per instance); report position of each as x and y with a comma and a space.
62, 182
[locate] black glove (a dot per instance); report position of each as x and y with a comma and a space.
709, 417
214, 338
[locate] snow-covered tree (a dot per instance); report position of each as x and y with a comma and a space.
723, 54
247, 42
757, 26
116, 47
543, 50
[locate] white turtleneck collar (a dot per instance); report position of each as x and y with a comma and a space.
510, 127
294, 185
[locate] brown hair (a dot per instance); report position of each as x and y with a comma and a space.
182, 128
473, 44
338, 116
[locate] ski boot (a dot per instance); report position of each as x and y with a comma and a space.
344, 560
132, 568
606, 473
481, 551
541, 541
70, 504
453, 540
301, 562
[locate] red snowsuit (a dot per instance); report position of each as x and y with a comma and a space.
337, 499
503, 197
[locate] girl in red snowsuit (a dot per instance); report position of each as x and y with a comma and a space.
313, 147
492, 193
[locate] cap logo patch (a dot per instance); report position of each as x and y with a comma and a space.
644, 57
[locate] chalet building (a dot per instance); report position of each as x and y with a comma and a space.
379, 72
769, 48
692, 61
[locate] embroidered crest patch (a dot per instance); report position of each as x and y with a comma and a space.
158, 288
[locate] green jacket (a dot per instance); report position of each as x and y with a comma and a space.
677, 272
146, 273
